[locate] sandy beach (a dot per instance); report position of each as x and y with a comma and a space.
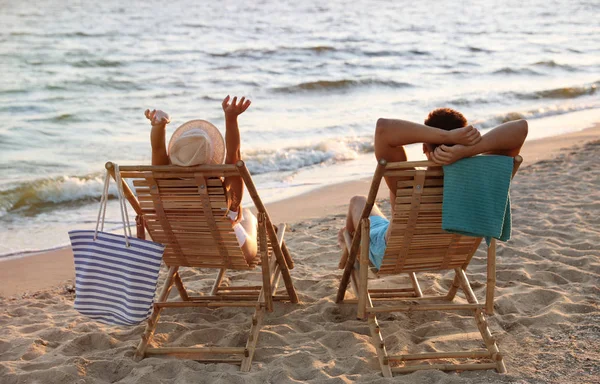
546, 320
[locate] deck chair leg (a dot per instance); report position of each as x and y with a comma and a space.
343, 258
363, 272
379, 345
491, 278
453, 288
466, 286
285, 273
275, 279
279, 255
257, 320
489, 341
415, 284
274, 265
347, 244
180, 288
354, 282
281, 252
347, 273
218, 280
481, 322
287, 255
375, 330
153, 320
264, 254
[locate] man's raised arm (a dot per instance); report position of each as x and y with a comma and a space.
505, 139
392, 135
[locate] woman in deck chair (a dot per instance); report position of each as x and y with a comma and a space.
199, 142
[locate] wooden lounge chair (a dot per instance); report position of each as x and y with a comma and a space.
417, 243
184, 208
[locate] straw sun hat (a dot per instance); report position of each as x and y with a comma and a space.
196, 142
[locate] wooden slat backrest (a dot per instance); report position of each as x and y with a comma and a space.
417, 242
185, 210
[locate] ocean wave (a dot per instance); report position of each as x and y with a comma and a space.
262, 52
62, 118
556, 93
516, 71
562, 93
461, 101
419, 52
31, 198
103, 83
293, 159
316, 49
43, 195
195, 25
537, 113
553, 64
14, 91
479, 49
53, 87
320, 48
330, 85
389, 53
83, 34
24, 109
61, 34
97, 63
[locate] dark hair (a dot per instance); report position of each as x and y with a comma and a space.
446, 119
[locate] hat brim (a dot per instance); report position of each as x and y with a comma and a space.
215, 137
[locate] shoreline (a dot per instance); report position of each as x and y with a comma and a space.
51, 224
35, 271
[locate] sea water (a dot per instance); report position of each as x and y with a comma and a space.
75, 78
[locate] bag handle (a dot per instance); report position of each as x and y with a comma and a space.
122, 205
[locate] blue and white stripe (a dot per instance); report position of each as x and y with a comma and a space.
114, 283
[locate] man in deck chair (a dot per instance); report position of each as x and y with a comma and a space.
446, 138
199, 142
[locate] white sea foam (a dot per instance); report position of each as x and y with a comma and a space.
292, 159
32, 197
549, 110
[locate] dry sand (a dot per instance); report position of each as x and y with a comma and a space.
547, 318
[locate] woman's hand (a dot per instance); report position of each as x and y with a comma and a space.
233, 109
468, 135
157, 118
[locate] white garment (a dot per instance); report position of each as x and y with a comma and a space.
240, 232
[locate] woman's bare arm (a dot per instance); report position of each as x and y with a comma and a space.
232, 110
158, 120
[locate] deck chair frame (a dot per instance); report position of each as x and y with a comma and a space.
275, 259
411, 298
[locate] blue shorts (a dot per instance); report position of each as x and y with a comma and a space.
377, 245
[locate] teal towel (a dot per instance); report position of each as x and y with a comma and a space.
476, 201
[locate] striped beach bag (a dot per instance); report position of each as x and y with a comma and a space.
115, 275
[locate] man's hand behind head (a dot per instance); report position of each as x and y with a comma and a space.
445, 154
468, 135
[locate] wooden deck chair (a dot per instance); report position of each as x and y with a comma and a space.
184, 208
417, 243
